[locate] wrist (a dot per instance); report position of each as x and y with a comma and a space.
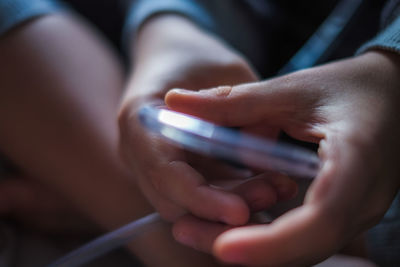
166, 32
384, 65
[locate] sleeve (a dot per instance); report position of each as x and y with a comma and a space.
14, 12
232, 21
142, 10
389, 38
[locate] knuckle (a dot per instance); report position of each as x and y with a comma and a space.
124, 114
156, 178
169, 212
165, 215
127, 134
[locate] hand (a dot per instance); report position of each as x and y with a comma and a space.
351, 109
171, 52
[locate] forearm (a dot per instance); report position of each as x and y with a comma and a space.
232, 21
164, 31
58, 123
171, 51
60, 91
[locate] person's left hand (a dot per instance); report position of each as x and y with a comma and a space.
174, 183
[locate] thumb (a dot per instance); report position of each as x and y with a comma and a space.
239, 105
281, 243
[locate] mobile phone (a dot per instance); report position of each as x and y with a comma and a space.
200, 136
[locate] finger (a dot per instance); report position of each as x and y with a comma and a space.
216, 170
196, 233
154, 152
302, 236
293, 239
243, 104
266, 131
265, 190
258, 193
168, 210
185, 187
285, 187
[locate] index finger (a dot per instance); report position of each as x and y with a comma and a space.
180, 183
239, 105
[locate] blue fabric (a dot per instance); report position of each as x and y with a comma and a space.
14, 12
384, 238
225, 18
141, 10
238, 23
390, 12
228, 20
268, 33
388, 39
235, 23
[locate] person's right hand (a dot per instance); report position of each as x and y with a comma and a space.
351, 109
171, 52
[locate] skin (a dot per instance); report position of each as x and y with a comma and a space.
169, 52
151, 78
350, 108
39, 208
61, 84
49, 117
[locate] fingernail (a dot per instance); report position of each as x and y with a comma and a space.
185, 239
182, 91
